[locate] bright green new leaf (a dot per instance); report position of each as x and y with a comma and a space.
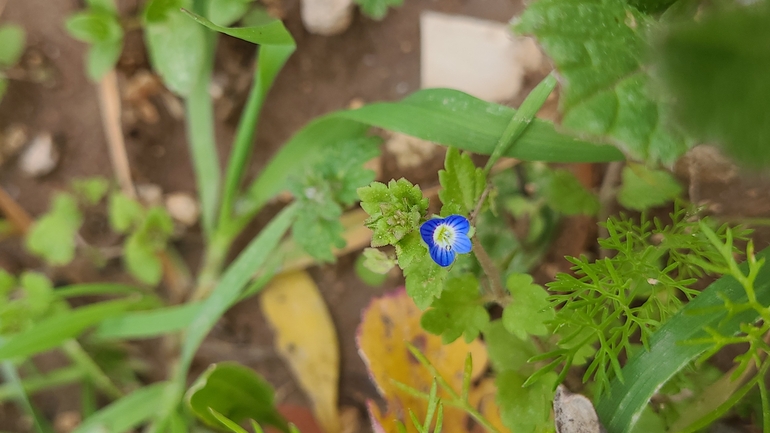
317, 235
105, 5
599, 48
52, 237
377, 9
525, 409
369, 277
644, 188
378, 261
94, 26
564, 193
462, 184
124, 212
127, 413
529, 310
177, 47
102, 57
235, 391
716, 71
7, 282
226, 12
424, 278
394, 210
268, 31
507, 352
38, 291
12, 39
92, 190
141, 260
54, 330
226, 422
458, 311
157, 11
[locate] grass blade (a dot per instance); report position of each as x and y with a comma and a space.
30, 385
12, 377
647, 371
126, 413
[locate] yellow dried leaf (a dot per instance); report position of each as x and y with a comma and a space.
388, 324
305, 337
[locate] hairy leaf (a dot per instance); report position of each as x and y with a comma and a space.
395, 210
458, 311
529, 311
462, 184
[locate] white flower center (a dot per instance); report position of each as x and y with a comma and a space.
444, 236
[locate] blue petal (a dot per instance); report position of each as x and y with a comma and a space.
427, 228
459, 223
462, 244
442, 256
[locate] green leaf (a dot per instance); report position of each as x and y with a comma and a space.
369, 277
226, 292
715, 69
177, 48
105, 5
38, 291
377, 9
458, 311
236, 392
102, 57
94, 26
12, 38
525, 409
127, 413
644, 188
564, 193
394, 210
530, 310
317, 235
599, 48
141, 260
268, 32
461, 183
124, 212
52, 237
226, 12
507, 352
92, 190
3, 87
229, 424
54, 330
377, 261
646, 371
148, 324
424, 278
157, 11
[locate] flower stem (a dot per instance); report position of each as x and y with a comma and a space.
495, 282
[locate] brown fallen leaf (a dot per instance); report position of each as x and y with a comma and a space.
305, 337
387, 325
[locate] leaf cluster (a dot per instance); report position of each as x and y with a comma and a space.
99, 26
325, 190
612, 300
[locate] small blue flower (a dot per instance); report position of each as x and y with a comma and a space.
446, 237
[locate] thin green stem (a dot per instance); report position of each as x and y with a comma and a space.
62, 376
81, 358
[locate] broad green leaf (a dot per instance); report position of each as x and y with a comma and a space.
127, 413
394, 210
458, 311
38, 291
377, 9
715, 69
141, 260
229, 424
226, 292
94, 26
12, 38
235, 391
52, 237
461, 183
529, 311
124, 212
92, 190
269, 32
644, 188
177, 48
226, 12
54, 330
507, 352
525, 409
599, 48
102, 57
564, 193
424, 278
647, 371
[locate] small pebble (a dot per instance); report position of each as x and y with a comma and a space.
150, 194
183, 208
40, 157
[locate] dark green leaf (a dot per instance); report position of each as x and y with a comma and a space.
12, 39
461, 184
236, 392
269, 32
424, 278
156, 11
529, 310
716, 71
458, 311
564, 193
644, 188
317, 235
52, 237
599, 48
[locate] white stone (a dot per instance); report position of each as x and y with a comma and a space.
40, 156
183, 208
326, 17
476, 56
150, 194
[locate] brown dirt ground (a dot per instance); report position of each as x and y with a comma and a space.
371, 61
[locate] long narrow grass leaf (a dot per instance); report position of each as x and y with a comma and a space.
126, 413
12, 377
